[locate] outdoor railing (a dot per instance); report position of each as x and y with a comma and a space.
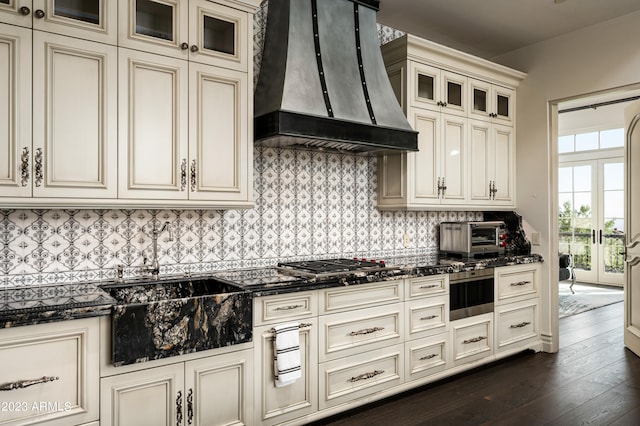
579, 245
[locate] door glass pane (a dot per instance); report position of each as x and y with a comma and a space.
219, 35
503, 106
154, 19
81, 10
565, 144
479, 100
454, 93
565, 180
425, 86
582, 178
575, 211
613, 221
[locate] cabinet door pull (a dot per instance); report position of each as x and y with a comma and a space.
194, 48
444, 185
37, 172
190, 406
193, 175
39, 13
474, 340
365, 376
288, 307
430, 286
520, 325
24, 166
184, 46
520, 283
21, 384
439, 187
179, 409
24, 10
428, 317
183, 175
426, 357
365, 331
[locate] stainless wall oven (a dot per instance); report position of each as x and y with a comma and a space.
470, 293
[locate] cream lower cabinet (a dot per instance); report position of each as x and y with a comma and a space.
517, 307
50, 373
215, 390
472, 339
273, 404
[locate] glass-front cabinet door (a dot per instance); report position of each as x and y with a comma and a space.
87, 19
197, 30
490, 102
438, 90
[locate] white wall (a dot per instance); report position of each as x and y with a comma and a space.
602, 57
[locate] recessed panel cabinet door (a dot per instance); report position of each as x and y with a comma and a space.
219, 165
153, 129
15, 111
74, 117
425, 163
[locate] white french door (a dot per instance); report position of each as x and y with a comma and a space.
632, 249
591, 218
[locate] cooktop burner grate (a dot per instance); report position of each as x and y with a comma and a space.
330, 266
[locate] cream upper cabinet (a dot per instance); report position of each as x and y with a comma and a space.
491, 102
90, 20
74, 117
435, 88
492, 148
15, 110
72, 111
197, 30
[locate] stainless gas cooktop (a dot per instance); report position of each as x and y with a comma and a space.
329, 268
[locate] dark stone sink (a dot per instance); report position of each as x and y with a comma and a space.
159, 319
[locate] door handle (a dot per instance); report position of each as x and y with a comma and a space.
593, 236
601, 236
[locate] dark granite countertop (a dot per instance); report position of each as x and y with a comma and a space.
57, 302
52, 302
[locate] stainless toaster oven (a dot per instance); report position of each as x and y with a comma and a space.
472, 239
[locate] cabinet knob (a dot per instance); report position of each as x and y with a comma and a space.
194, 48
39, 13
24, 10
184, 46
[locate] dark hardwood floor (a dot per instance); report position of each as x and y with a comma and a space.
592, 380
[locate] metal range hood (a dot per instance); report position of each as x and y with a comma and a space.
322, 82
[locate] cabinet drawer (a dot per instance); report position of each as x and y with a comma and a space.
360, 296
348, 333
427, 286
516, 323
59, 364
427, 356
271, 309
360, 375
516, 282
427, 316
472, 338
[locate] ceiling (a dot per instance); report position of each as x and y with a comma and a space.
488, 28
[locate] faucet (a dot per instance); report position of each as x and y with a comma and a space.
154, 267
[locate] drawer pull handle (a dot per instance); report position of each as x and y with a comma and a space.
366, 331
520, 283
365, 376
430, 286
522, 324
474, 340
20, 384
428, 357
428, 317
288, 307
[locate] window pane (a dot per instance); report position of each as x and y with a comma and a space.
479, 100
454, 93
612, 138
586, 141
82, 10
219, 35
613, 176
503, 106
425, 86
582, 178
154, 19
614, 204
565, 144
565, 179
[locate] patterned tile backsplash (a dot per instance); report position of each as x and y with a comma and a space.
307, 205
